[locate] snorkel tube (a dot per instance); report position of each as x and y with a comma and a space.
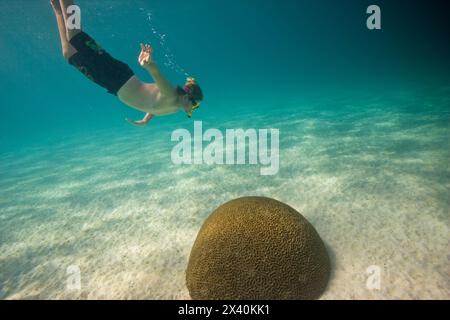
187, 89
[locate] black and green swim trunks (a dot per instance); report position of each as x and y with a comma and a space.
96, 64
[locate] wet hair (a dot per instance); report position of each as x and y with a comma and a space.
196, 92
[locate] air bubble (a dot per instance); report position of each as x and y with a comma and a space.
169, 58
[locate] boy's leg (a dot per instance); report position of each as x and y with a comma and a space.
89, 58
64, 5
67, 49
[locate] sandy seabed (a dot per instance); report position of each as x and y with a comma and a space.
372, 179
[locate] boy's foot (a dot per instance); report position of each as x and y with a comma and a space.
56, 6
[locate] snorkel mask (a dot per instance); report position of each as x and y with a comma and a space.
188, 89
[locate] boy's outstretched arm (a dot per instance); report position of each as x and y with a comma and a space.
146, 61
142, 122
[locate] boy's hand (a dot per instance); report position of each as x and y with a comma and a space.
139, 123
145, 57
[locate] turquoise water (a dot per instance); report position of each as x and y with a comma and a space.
364, 143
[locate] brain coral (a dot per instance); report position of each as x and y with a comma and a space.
257, 248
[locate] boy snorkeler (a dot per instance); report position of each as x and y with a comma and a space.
155, 99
